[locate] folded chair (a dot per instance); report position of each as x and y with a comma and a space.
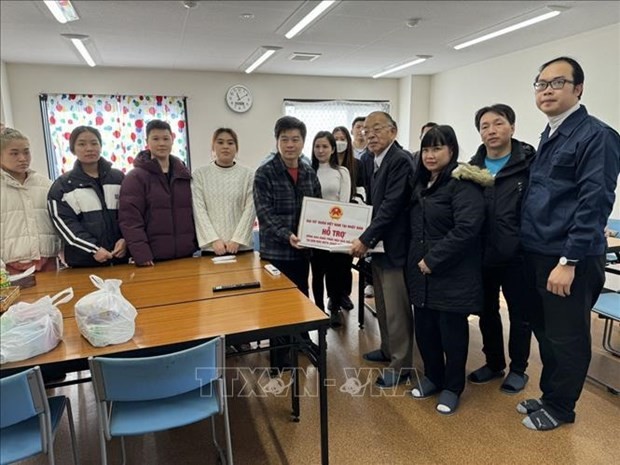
29, 419
136, 396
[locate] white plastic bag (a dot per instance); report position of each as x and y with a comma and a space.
105, 317
29, 329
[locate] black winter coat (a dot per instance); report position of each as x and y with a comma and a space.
446, 219
503, 204
84, 210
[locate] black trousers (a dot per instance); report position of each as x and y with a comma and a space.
297, 271
332, 270
562, 327
347, 283
443, 339
511, 279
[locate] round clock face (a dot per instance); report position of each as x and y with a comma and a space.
239, 98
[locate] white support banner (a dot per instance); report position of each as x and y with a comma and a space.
331, 225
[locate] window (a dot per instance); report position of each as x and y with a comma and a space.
325, 115
121, 119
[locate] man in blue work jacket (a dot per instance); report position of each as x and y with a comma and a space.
565, 209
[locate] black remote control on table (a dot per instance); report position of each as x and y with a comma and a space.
235, 287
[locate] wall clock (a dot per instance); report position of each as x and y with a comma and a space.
239, 99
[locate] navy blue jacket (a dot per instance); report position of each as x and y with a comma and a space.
390, 192
572, 189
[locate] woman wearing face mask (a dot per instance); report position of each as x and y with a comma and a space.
222, 196
444, 274
28, 237
83, 205
327, 267
344, 148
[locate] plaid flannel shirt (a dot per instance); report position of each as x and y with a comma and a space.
278, 206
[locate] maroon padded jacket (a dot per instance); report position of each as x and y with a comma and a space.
155, 212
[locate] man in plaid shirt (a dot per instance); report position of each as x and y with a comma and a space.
279, 188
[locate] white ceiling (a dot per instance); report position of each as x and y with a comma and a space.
354, 38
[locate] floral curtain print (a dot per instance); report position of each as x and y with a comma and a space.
121, 119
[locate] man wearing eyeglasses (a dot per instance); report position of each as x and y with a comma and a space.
565, 210
390, 194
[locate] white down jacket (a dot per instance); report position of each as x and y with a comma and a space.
26, 230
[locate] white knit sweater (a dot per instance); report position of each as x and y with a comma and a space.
335, 183
223, 205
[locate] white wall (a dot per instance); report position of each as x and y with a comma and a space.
414, 105
457, 94
205, 91
6, 113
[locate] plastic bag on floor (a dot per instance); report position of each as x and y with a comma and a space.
29, 329
105, 317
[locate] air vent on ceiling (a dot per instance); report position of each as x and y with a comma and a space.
303, 56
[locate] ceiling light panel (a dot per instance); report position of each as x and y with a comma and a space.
62, 10
309, 18
509, 29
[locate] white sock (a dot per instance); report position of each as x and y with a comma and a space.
443, 408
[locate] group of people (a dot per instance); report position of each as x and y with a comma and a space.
530, 222
527, 221
158, 211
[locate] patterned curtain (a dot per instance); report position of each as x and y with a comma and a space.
325, 115
121, 119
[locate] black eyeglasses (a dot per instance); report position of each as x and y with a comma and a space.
556, 84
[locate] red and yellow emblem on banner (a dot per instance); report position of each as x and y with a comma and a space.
335, 213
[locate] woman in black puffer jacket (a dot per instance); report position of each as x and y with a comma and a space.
444, 263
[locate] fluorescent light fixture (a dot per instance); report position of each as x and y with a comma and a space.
301, 25
78, 42
417, 61
267, 52
552, 14
62, 10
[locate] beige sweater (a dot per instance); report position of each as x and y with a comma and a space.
25, 227
223, 205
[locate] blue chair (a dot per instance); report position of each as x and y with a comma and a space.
608, 307
28, 419
614, 224
148, 394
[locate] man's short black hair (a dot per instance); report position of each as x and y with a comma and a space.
157, 124
500, 108
578, 75
428, 125
358, 119
287, 123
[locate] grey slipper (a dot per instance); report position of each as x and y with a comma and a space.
447, 403
425, 389
529, 406
484, 374
514, 383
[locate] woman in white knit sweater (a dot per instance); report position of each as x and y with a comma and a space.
28, 237
222, 198
327, 267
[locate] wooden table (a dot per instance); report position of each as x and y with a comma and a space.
52, 282
613, 244
176, 305
155, 293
